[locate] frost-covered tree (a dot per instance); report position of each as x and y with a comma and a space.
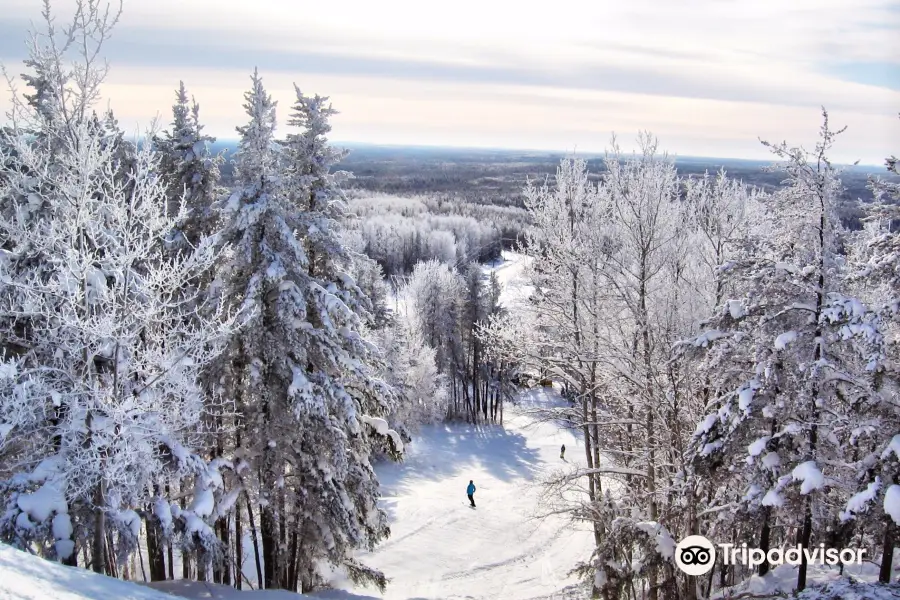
784, 378
873, 453
191, 176
301, 373
411, 369
99, 392
434, 301
612, 293
189, 170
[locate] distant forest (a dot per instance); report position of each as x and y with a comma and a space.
498, 177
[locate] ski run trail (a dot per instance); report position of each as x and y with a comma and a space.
441, 548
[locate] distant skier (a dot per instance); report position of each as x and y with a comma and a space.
470, 491
562, 452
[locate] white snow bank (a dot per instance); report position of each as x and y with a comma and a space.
196, 590
823, 583
27, 577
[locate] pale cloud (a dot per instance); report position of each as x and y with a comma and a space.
707, 76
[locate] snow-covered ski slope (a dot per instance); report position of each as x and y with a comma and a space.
440, 548
515, 286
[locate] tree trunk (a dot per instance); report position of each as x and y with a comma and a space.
155, 551
202, 573
283, 565
98, 547
764, 541
255, 538
292, 574
805, 534
238, 547
170, 553
887, 556
814, 411
476, 390
268, 525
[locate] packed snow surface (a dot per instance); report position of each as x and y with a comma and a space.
440, 548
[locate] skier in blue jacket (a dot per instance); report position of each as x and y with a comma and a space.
470, 491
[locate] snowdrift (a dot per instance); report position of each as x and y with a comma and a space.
27, 577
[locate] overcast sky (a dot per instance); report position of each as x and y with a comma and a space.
708, 77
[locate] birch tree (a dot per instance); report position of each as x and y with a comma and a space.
100, 387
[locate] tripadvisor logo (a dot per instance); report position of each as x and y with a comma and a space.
696, 555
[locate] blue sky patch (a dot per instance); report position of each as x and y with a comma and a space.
881, 74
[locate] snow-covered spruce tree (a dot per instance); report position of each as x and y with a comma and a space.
189, 170
301, 374
783, 379
100, 394
191, 175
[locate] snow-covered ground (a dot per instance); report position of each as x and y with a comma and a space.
510, 274
27, 577
441, 548
822, 582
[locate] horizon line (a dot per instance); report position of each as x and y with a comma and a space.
597, 154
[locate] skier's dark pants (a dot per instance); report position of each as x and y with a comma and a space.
471, 499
